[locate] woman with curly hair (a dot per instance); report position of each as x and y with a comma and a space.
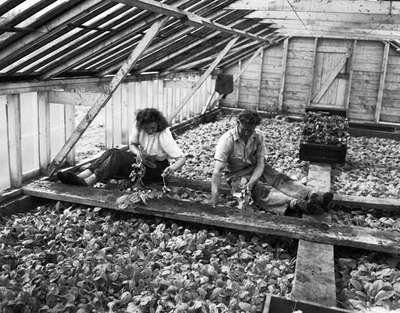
151, 142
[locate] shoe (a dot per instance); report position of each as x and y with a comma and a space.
71, 178
321, 198
307, 207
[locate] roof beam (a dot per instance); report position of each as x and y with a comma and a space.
322, 6
327, 17
104, 98
359, 35
190, 18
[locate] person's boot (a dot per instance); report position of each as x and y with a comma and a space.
320, 198
306, 207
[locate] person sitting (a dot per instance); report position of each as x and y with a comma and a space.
242, 151
151, 142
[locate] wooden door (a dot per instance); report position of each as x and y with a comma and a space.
330, 79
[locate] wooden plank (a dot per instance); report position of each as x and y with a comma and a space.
382, 81
291, 227
364, 35
14, 139
329, 80
322, 6
203, 78
102, 100
73, 98
283, 305
311, 90
350, 82
260, 79
126, 121
238, 83
380, 204
69, 120
190, 18
328, 17
281, 106
315, 268
44, 131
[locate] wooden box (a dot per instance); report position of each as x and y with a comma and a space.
322, 153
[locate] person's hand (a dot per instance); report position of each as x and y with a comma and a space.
214, 200
168, 171
249, 186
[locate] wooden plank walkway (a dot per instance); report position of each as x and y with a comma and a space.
291, 227
315, 266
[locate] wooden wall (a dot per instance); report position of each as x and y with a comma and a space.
35, 125
309, 65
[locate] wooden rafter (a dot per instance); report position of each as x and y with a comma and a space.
103, 99
322, 6
190, 18
203, 77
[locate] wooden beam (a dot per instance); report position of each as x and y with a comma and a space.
69, 126
314, 60
350, 82
239, 81
190, 18
379, 204
382, 79
44, 31
44, 131
359, 237
283, 75
344, 17
338, 35
203, 77
14, 139
329, 25
329, 80
72, 98
314, 279
97, 85
321, 6
274, 304
260, 79
102, 100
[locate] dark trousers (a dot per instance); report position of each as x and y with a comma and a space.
117, 164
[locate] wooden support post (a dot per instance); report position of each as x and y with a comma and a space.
314, 61
282, 107
350, 82
330, 79
315, 269
203, 77
260, 79
14, 139
103, 99
126, 122
382, 81
69, 120
44, 131
238, 83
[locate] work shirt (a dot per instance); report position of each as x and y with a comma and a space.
236, 154
160, 145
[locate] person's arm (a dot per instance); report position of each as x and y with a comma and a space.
179, 162
216, 181
134, 143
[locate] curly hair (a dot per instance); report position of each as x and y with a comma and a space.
249, 117
151, 115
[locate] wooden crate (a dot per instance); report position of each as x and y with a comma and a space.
322, 153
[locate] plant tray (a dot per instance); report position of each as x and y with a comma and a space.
322, 153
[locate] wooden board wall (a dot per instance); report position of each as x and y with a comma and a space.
302, 70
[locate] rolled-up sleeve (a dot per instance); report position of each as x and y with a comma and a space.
223, 148
169, 145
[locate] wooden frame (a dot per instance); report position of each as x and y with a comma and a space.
44, 131
281, 105
314, 60
350, 82
14, 139
382, 81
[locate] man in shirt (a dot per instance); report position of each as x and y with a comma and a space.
241, 151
